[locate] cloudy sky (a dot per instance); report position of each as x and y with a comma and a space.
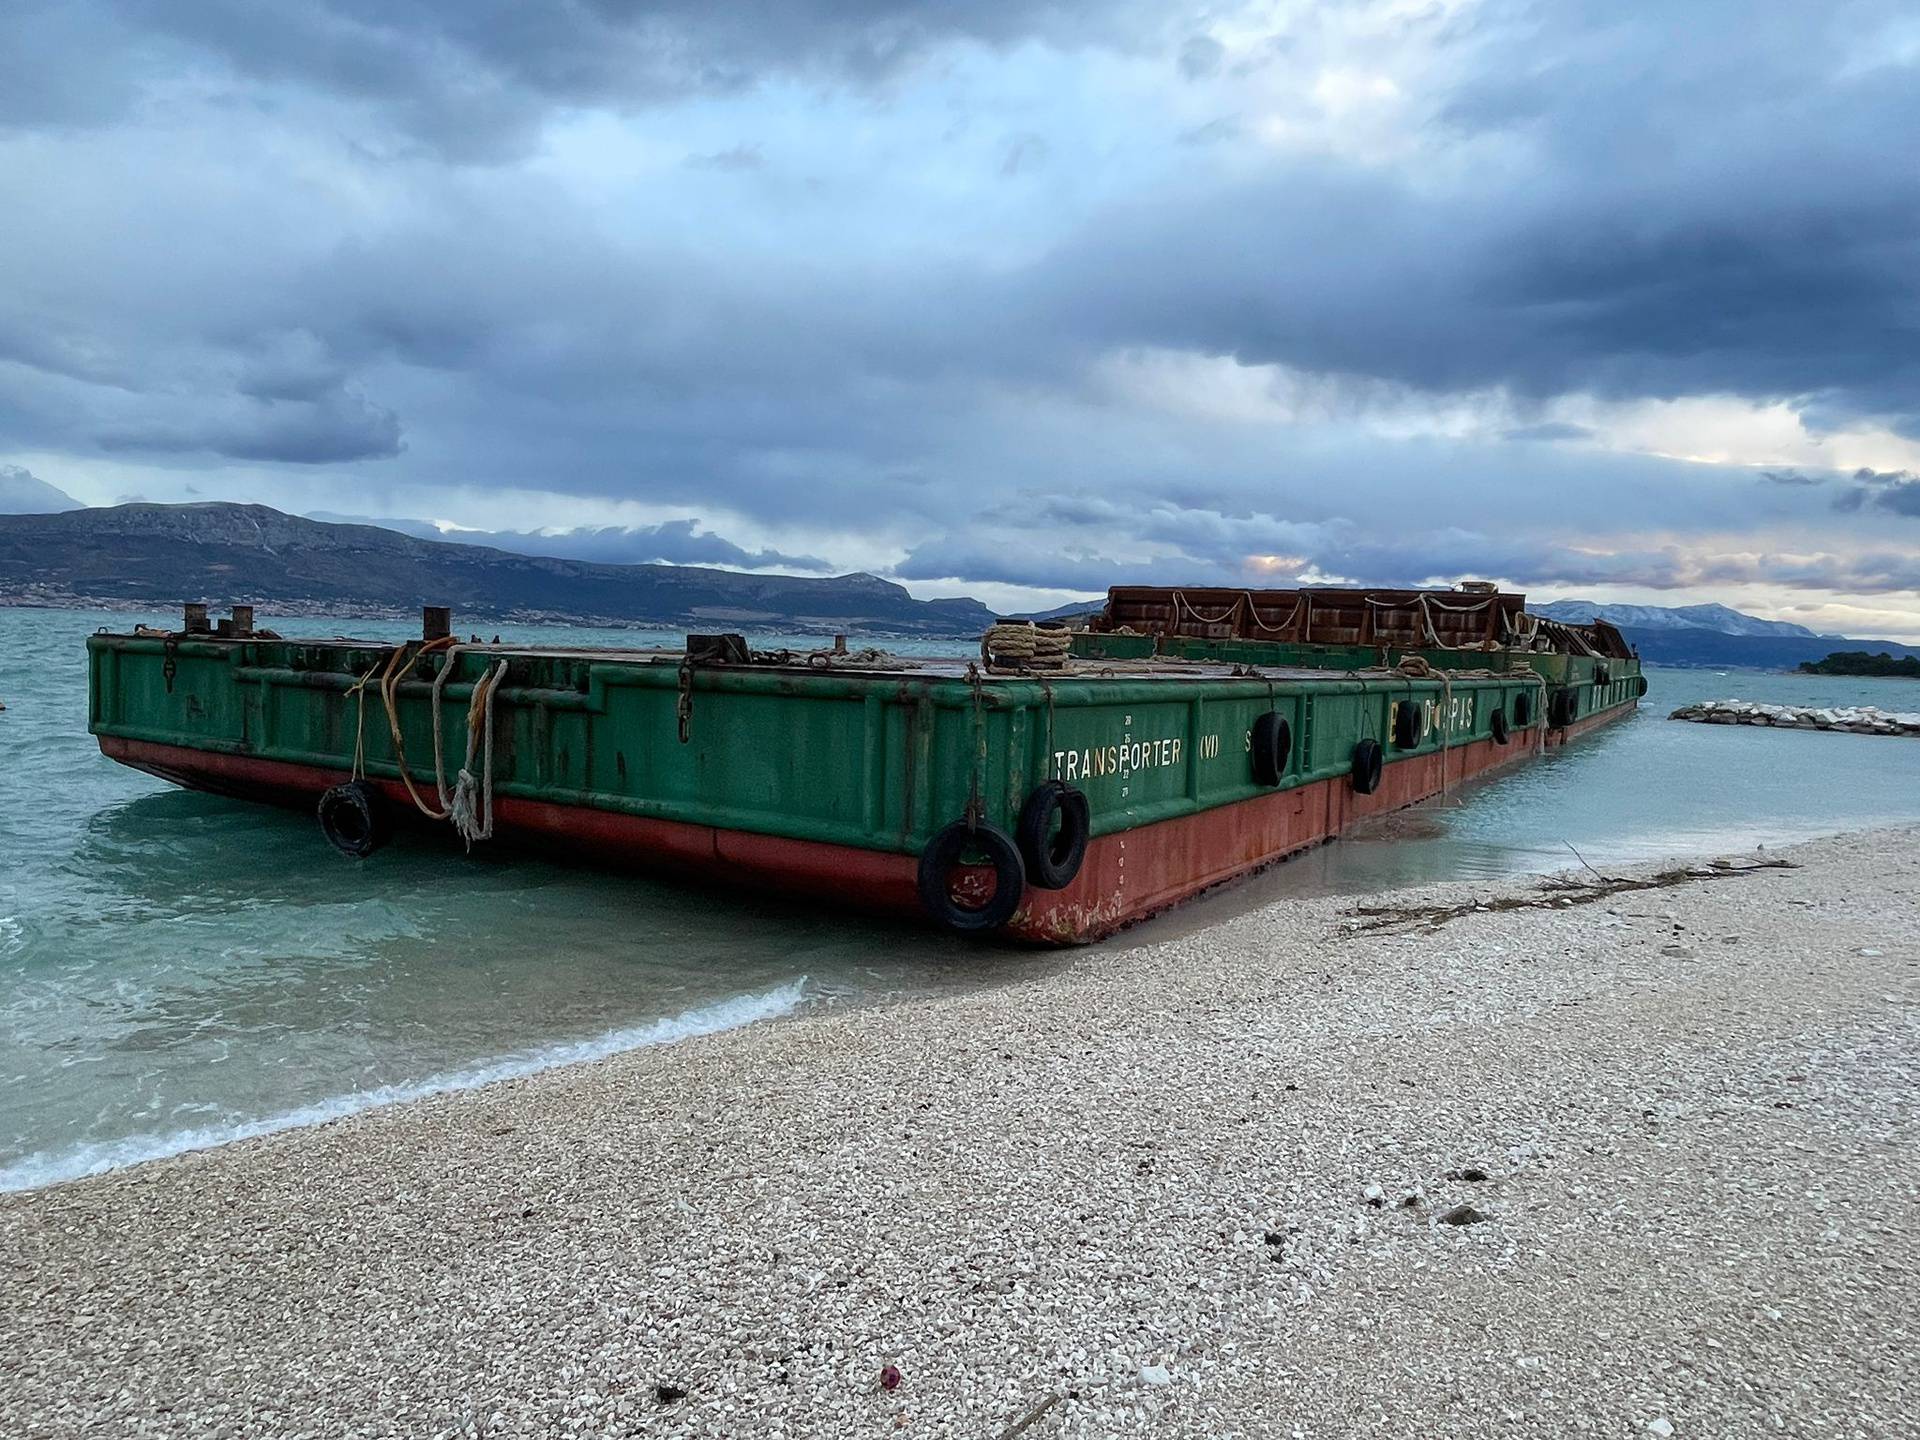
1597, 297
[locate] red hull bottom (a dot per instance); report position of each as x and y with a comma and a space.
1126, 876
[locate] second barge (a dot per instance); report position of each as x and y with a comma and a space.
1061, 786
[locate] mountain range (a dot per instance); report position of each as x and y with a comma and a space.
1713, 636
163, 554
24, 493
1717, 618
159, 555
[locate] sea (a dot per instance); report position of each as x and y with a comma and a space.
178, 971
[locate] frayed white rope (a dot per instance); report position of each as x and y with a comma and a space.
471, 809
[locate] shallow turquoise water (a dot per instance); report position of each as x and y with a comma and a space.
176, 969
1642, 788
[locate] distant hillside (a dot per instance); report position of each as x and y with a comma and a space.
1708, 649
24, 493
1718, 618
1711, 636
164, 554
1064, 612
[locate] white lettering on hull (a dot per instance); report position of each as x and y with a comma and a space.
1129, 757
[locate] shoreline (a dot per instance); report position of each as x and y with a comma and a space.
94, 1158
1141, 1176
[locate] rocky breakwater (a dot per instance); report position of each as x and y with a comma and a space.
1859, 720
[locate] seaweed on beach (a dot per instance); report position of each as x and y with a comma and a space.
1554, 893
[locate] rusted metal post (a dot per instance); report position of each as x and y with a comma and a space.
436, 622
223, 627
243, 620
839, 644
195, 621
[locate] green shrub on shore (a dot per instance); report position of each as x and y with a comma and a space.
1859, 662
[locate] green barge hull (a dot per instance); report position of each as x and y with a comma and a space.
1045, 804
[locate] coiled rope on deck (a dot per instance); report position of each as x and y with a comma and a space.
1022, 645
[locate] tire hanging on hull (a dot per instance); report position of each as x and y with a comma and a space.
947, 850
1272, 742
1369, 764
355, 818
1054, 858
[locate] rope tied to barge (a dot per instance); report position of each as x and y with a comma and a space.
469, 806
389, 682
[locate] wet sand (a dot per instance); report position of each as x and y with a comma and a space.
1645, 1165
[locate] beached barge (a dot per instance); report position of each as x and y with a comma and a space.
1056, 788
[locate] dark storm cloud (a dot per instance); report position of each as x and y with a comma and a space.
1896, 491
1620, 202
333, 428
1715, 207
672, 542
1528, 562
1902, 497
472, 79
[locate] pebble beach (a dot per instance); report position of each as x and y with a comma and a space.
1624, 1155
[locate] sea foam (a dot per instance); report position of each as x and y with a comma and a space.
49, 1167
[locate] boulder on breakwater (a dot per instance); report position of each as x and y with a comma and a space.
1855, 719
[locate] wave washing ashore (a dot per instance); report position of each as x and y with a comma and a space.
1621, 1158
90, 1158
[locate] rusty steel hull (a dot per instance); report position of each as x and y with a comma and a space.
1127, 876
1138, 873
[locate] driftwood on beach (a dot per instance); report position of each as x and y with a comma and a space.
1856, 719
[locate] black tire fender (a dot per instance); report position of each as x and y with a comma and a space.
1562, 709
355, 818
1497, 726
1369, 764
1272, 747
944, 851
1523, 709
1052, 860
1406, 724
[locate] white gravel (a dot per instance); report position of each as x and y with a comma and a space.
1641, 1167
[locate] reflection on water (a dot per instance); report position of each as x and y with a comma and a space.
180, 965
